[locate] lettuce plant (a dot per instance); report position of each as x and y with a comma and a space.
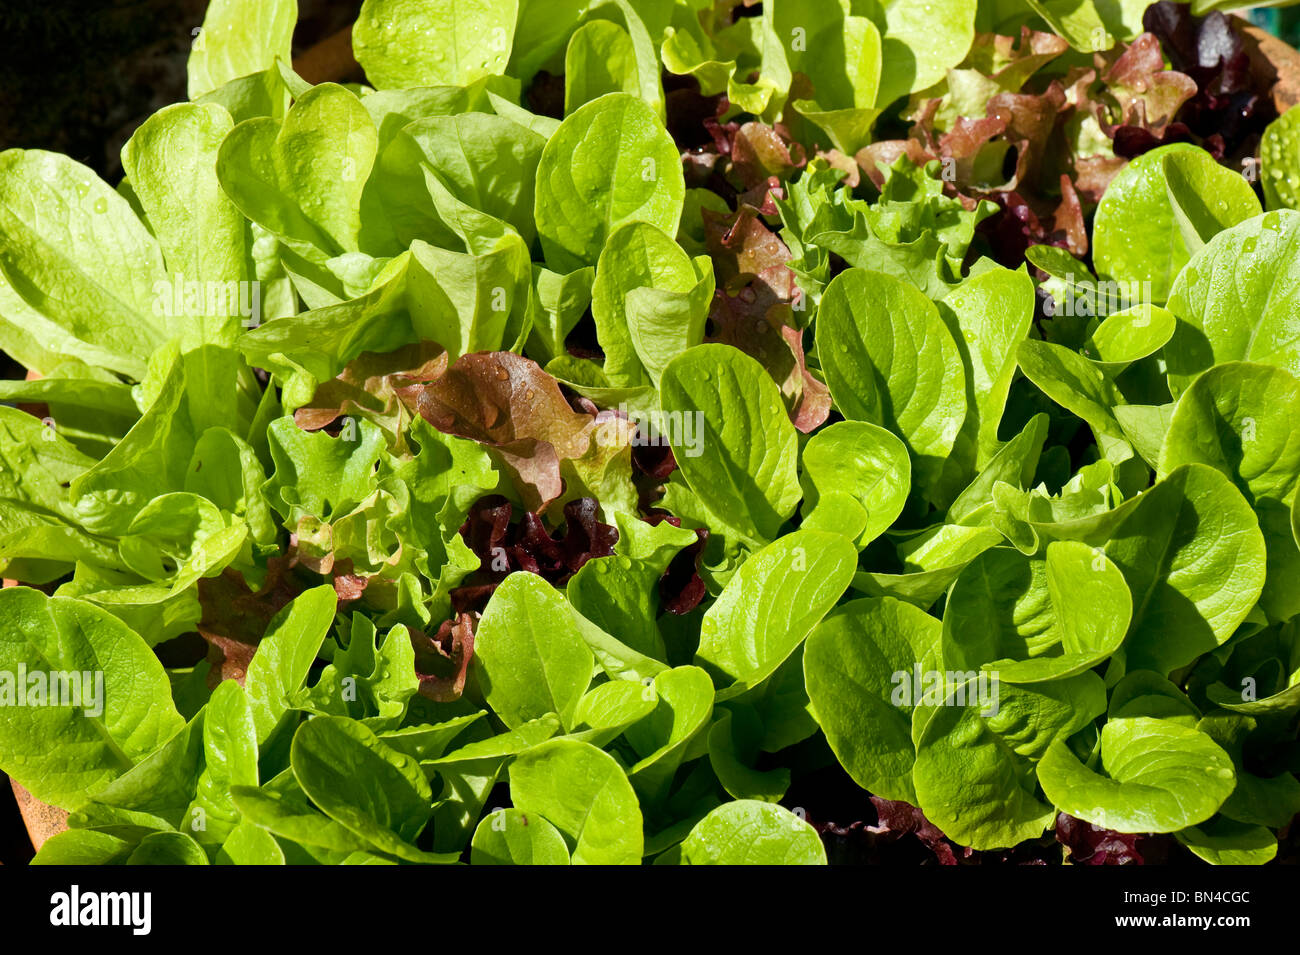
446, 469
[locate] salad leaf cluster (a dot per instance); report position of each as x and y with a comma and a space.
439, 469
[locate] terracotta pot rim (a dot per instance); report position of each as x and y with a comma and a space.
41, 820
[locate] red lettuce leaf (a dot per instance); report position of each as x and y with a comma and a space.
442, 661
504, 547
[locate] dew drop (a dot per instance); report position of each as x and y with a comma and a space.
101, 205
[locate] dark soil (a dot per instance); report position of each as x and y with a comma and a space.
78, 76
